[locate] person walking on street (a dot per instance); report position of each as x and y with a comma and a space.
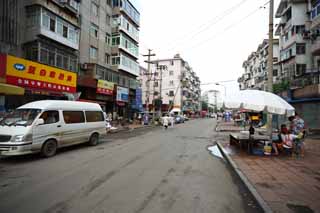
165, 122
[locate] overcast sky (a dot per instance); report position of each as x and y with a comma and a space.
215, 37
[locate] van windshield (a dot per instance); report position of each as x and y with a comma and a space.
20, 117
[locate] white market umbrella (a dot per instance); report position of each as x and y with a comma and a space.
257, 100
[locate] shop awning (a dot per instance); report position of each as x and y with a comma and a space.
8, 89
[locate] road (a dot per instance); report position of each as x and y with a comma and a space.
153, 170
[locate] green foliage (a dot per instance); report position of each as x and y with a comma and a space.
204, 105
280, 87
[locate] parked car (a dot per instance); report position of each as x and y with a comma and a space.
179, 119
45, 126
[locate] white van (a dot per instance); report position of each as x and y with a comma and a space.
44, 126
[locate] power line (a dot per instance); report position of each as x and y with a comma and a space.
228, 28
206, 26
217, 82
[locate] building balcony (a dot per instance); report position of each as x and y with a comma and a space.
124, 6
122, 42
120, 23
124, 63
49, 25
305, 80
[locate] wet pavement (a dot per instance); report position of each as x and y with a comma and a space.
146, 170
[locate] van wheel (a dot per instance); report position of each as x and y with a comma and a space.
94, 139
49, 148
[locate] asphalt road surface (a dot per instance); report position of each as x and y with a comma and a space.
148, 170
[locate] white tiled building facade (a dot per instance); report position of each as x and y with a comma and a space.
255, 67
180, 86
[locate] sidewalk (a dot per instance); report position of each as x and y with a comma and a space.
128, 127
285, 184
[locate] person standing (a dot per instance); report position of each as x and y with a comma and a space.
165, 122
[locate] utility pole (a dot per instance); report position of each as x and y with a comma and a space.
161, 68
270, 63
148, 74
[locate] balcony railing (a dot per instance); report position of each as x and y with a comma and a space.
315, 11
305, 80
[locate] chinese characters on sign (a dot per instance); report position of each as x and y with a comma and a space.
105, 87
30, 74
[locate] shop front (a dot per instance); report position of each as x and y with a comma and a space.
122, 99
97, 91
32, 81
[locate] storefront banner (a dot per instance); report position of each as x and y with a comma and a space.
105, 87
30, 74
138, 101
122, 94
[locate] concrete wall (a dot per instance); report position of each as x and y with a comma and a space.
86, 40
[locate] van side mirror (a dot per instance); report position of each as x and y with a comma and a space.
40, 121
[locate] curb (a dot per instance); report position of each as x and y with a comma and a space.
127, 129
265, 207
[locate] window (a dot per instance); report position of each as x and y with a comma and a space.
44, 56
171, 93
50, 117
275, 73
170, 102
300, 69
300, 29
171, 83
109, 2
115, 41
45, 20
60, 27
171, 72
94, 31
65, 32
156, 74
107, 38
93, 52
94, 9
108, 18
94, 116
300, 49
52, 24
156, 84
71, 117
107, 58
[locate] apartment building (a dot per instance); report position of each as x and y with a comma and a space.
299, 58
295, 54
97, 80
125, 52
174, 82
256, 70
39, 47
298, 33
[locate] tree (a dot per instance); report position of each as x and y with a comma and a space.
204, 105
